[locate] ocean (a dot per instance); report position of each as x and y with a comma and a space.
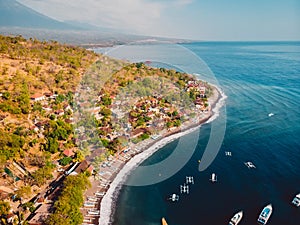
259, 78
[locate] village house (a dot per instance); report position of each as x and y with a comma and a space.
159, 123
69, 153
70, 121
40, 215
5, 192
2, 117
10, 218
47, 108
82, 167
138, 132
117, 113
151, 109
49, 95
173, 129
98, 116
90, 169
41, 124
59, 112
38, 97
34, 128
150, 114
67, 107
202, 90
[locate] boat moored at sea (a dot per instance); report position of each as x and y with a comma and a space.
213, 177
189, 179
265, 214
184, 188
173, 197
250, 165
163, 221
228, 153
236, 218
296, 200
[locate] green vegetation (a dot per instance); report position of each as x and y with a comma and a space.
23, 192
43, 174
30, 67
34, 132
4, 210
65, 161
66, 208
10, 145
29, 205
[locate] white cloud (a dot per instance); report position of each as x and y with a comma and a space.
134, 15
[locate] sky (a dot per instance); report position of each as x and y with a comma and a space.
228, 20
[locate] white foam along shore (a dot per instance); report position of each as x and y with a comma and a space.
109, 200
218, 104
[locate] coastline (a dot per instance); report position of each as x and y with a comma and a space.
108, 202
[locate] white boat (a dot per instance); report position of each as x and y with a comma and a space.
189, 180
173, 197
101, 194
184, 188
271, 114
90, 204
94, 212
236, 218
228, 153
213, 177
91, 199
265, 214
250, 165
296, 200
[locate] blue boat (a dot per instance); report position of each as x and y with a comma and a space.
265, 214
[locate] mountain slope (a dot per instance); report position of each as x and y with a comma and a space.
14, 14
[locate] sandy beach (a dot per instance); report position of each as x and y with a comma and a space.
124, 165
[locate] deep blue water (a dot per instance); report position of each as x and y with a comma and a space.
258, 78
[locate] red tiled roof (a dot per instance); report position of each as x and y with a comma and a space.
82, 167
68, 152
37, 95
90, 169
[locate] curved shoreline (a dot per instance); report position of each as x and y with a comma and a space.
107, 205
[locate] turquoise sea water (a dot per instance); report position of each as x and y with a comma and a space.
259, 78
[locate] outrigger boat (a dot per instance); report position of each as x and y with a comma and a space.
250, 165
236, 218
213, 177
296, 200
265, 214
228, 153
189, 180
173, 197
184, 188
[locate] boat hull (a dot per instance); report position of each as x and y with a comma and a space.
265, 215
236, 219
